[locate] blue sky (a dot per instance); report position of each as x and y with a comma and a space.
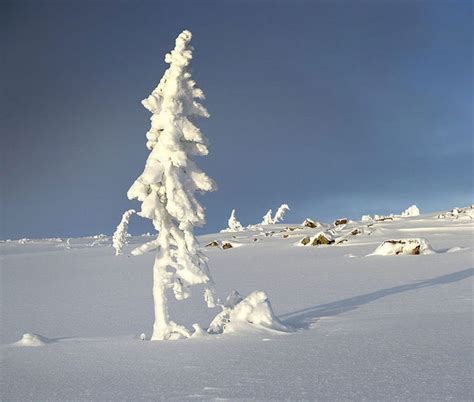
335, 107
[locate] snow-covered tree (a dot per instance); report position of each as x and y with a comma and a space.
411, 211
233, 223
267, 218
167, 187
120, 235
280, 213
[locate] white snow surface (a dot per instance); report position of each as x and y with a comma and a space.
378, 328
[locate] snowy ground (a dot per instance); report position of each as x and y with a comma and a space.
378, 327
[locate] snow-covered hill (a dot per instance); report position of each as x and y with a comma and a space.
361, 327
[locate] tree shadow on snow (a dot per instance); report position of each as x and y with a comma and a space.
303, 319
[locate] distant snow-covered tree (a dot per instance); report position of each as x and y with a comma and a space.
233, 223
411, 211
267, 218
167, 187
119, 238
280, 213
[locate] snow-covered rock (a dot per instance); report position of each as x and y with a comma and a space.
404, 247
309, 223
341, 221
320, 238
466, 213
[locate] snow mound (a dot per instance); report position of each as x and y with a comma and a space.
32, 340
404, 247
242, 315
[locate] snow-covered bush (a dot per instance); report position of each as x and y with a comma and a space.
253, 312
167, 186
403, 247
120, 236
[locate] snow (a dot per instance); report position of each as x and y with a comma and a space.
378, 328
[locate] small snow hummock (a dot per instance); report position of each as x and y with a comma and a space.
121, 234
404, 247
242, 315
32, 340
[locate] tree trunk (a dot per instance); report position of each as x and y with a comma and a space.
161, 330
